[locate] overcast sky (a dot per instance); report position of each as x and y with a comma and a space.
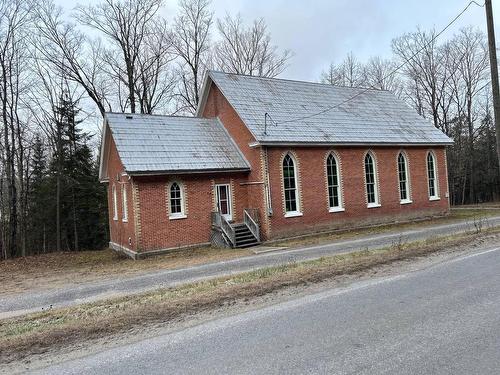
321, 31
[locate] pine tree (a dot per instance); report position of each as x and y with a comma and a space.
79, 216
38, 199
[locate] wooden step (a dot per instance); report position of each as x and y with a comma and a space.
245, 237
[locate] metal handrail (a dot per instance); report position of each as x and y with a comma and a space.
251, 224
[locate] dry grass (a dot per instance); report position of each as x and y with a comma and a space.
481, 205
62, 269
58, 269
39, 332
455, 215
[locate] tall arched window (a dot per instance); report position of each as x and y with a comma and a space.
115, 203
290, 186
404, 182
333, 180
176, 201
431, 176
124, 203
371, 181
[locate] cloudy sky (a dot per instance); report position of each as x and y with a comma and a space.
321, 31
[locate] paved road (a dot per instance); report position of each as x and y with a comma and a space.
11, 305
441, 320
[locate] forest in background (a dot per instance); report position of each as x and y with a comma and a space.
59, 72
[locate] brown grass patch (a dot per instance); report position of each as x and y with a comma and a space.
62, 269
456, 215
39, 332
56, 269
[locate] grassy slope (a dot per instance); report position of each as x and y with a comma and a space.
58, 269
56, 328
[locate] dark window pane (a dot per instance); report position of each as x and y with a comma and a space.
431, 174
175, 199
333, 181
403, 182
370, 179
223, 208
289, 184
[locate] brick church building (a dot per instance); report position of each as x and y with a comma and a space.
265, 159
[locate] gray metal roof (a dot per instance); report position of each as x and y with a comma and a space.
372, 117
154, 144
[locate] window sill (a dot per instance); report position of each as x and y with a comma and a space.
115, 219
336, 209
177, 217
124, 220
374, 205
434, 198
406, 201
293, 214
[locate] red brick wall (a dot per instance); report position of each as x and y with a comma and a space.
313, 188
159, 231
217, 106
122, 233
149, 226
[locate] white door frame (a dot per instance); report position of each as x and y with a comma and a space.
228, 216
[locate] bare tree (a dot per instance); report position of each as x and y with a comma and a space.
156, 81
15, 18
126, 24
68, 50
381, 74
191, 40
426, 67
348, 73
471, 62
248, 50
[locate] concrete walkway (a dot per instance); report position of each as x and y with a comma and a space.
31, 301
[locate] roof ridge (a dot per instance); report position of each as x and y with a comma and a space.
298, 81
156, 115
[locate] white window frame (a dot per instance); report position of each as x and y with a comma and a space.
176, 215
297, 211
407, 200
340, 206
376, 190
435, 196
229, 217
115, 202
124, 203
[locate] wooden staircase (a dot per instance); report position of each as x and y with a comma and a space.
237, 235
243, 236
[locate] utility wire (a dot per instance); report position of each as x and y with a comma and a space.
385, 77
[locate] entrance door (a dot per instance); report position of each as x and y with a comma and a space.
223, 195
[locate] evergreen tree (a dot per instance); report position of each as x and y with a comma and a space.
78, 215
38, 196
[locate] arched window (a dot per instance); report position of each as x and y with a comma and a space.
333, 180
431, 176
404, 182
115, 203
290, 186
176, 201
124, 203
371, 181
